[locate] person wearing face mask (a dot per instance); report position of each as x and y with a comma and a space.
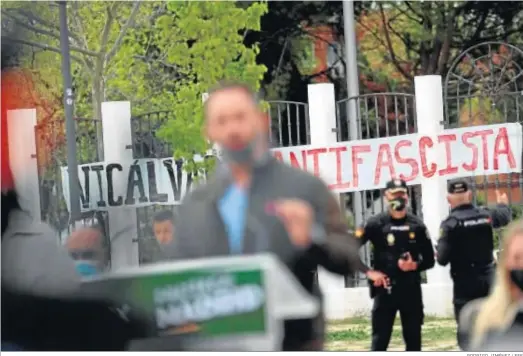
467, 243
255, 204
495, 323
402, 250
42, 307
85, 247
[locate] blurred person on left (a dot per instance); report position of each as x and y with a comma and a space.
42, 308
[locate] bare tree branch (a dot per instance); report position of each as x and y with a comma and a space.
47, 33
78, 24
389, 46
107, 27
31, 16
38, 45
123, 31
406, 13
409, 5
81, 35
405, 40
445, 48
49, 25
280, 60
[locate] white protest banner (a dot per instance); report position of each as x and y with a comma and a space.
344, 166
149, 181
369, 164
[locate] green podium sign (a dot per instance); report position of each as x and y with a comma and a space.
209, 303
218, 304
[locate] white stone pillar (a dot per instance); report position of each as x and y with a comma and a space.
216, 149
118, 148
322, 120
430, 118
23, 160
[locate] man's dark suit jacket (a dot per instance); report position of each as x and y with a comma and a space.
200, 233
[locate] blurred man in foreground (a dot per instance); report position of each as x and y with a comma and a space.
402, 250
467, 243
257, 204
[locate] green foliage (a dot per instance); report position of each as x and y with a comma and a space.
303, 54
517, 213
157, 55
480, 111
204, 41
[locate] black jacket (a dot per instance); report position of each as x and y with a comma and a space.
201, 233
466, 237
48, 324
33, 320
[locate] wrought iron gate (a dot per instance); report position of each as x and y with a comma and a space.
377, 115
484, 85
147, 145
51, 158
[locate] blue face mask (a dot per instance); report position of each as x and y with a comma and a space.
86, 268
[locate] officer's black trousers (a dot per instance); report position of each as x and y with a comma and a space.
408, 301
466, 289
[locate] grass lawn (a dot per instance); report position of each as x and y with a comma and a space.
355, 335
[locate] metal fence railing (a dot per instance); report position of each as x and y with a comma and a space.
289, 123
51, 158
146, 144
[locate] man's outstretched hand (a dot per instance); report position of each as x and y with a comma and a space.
297, 217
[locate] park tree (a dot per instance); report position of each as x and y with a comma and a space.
397, 40
403, 39
204, 42
158, 55
96, 35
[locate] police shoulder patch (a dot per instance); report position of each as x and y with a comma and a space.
359, 233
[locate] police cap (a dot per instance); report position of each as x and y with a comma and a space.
396, 185
458, 186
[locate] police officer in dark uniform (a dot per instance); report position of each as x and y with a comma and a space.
467, 243
402, 249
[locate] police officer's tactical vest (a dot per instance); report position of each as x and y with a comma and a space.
472, 237
396, 239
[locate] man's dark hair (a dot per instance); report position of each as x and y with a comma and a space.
164, 215
226, 85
